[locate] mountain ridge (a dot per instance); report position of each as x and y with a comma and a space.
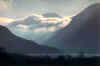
81, 34
16, 44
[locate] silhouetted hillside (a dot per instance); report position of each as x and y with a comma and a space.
16, 44
82, 34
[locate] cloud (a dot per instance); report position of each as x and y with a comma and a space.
49, 24
45, 29
66, 21
23, 28
50, 20
52, 29
5, 20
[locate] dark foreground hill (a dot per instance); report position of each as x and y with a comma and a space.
8, 59
16, 44
82, 34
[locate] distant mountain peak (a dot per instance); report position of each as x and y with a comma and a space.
94, 5
52, 14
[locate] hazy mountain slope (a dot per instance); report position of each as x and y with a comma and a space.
82, 34
32, 28
16, 44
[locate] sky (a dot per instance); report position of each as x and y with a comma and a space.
16, 9
20, 8
11, 10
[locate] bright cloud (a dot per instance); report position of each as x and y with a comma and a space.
22, 27
58, 22
52, 29
54, 20
45, 29
50, 20
5, 20
66, 21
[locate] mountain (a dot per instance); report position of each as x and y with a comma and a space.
52, 14
16, 44
28, 26
82, 35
